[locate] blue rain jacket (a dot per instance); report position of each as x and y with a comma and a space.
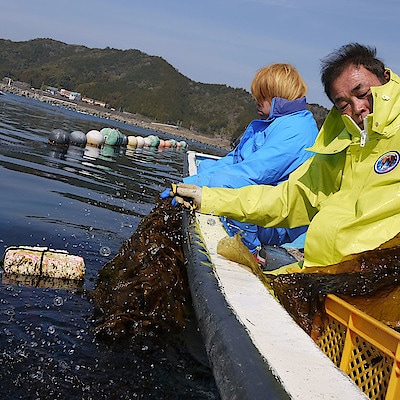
269, 150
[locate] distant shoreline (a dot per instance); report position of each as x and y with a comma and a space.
124, 117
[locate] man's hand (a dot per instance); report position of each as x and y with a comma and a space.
189, 196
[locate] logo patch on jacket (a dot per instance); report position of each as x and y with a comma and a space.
387, 162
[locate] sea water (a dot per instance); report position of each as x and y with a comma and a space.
86, 201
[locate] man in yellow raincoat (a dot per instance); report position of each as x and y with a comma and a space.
349, 191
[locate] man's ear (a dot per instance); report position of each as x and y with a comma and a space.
387, 75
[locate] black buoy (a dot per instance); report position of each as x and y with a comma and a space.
77, 138
59, 137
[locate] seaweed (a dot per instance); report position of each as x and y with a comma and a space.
369, 281
144, 287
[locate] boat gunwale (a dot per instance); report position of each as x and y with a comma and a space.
250, 376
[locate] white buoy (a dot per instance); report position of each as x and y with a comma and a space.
94, 138
147, 141
140, 141
132, 141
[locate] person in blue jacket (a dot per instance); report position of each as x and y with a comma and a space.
269, 150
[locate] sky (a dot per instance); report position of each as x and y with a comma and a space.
215, 41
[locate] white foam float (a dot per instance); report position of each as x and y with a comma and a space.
42, 261
95, 138
132, 141
139, 141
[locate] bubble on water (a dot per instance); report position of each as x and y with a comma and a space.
22, 353
10, 312
51, 329
154, 250
58, 301
105, 251
63, 366
189, 377
7, 332
86, 388
37, 375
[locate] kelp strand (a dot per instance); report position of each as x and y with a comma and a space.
362, 281
144, 287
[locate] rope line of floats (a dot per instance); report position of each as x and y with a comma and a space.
111, 137
44, 262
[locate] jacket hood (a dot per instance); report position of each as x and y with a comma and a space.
281, 107
388, 98
338, 130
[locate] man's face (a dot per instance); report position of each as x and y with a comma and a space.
351, 92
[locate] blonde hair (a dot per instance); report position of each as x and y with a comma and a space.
278, 80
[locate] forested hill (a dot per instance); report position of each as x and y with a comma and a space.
132, 81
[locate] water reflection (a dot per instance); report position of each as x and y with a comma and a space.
86, 201
91, 152
74, 153
109, 153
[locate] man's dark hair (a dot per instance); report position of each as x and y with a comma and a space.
350, 54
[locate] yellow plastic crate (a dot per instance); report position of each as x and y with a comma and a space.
365, 349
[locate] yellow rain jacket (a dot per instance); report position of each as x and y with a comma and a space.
349, 191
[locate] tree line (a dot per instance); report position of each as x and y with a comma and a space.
133, 81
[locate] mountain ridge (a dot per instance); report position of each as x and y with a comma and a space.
133, 81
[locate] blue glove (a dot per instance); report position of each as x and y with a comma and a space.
166, 193
170, 192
